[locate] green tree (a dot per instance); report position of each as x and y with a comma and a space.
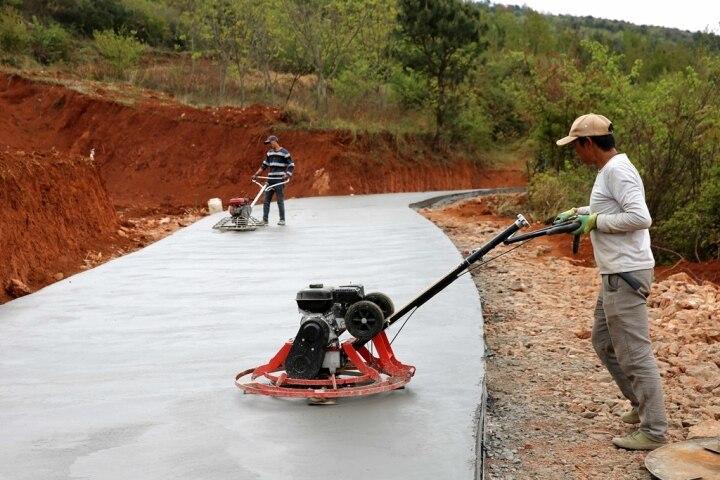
538, 34
439, 39
674, 128
50, 43
225, 31
264, 40
362, 82
326, 32
14, 33
694, 228
88, 16
560, 88
121, 51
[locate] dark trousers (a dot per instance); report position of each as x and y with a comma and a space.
279, 190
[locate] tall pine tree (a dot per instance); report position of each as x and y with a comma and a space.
439, 39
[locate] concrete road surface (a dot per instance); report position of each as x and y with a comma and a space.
126, 371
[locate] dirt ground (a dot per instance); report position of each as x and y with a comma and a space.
54, 211
56, 219
552, 407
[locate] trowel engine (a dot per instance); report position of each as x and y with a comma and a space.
326, 312
240, 208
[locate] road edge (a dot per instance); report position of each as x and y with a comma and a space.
479, 432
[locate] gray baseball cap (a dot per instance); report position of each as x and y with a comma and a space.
271, 138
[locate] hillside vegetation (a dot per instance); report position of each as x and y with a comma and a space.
465, 76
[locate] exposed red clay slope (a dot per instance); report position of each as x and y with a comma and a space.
53, 211
57, 213
155, 153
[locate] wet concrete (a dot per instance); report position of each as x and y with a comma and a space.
126, 371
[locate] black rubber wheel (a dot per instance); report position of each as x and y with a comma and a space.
364, 320
382, 301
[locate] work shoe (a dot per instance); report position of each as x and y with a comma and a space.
631, 416
281, 222
637, 441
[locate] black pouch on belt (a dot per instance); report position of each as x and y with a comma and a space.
630, 280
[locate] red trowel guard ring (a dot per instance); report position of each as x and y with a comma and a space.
239, 201
365, 374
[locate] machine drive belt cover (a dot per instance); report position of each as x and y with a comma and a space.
308, 350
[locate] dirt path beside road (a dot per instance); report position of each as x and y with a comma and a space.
553, 408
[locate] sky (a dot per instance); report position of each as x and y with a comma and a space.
693, 15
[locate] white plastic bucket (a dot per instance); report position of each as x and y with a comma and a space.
215, 206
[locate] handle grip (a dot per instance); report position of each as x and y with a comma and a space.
564, 227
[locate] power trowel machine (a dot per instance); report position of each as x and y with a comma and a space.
240, 210
317, 364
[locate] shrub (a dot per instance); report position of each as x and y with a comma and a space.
560, 90
87, 16
357, 85
294, 114
151, 20
672, 131
694, 229
50, 43
550, 193
121, 52
410, 88
472, 126
14, 33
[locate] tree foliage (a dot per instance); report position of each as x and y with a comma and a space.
439, 40
14, 33
225, 29
122, 52
326, 32
670, 128
694, 228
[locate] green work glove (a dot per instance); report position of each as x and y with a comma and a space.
565, 216
588, 223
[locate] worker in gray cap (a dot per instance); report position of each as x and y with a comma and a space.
618, 220
281, 166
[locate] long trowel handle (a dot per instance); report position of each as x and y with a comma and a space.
453, 275
264, 187
568, 226
564, 227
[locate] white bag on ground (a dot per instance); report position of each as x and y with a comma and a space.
214, 206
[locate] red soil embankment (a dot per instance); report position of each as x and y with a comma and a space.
697, 271
54, 210
154, 153
502, 210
